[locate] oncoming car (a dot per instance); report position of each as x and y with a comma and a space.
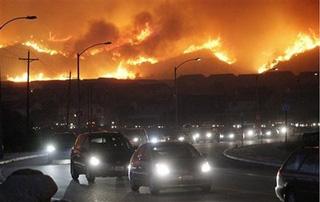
58, 145
100, 154
168, 164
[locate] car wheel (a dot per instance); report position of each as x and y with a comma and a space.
206, 188
134, 187
90, 177
289, 197
154, 190
74, 173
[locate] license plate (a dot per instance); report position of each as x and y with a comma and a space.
119, 168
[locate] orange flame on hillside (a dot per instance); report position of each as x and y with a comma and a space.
142, 59
120, 73
302, 44
41, 48
215, 47
36, 77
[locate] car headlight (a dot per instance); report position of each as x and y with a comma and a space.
94, 161
231, 136
205, 167
162, 169
181, 138
209, 135
154, 140
250, 133
196, 136
50, 148
135, 139
221, 136
268, 133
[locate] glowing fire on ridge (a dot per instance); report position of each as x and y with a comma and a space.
145, 33
302, 44
36, 77
121, 73
215, 47
141, 59
41, 48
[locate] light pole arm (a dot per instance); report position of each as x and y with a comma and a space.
193, 59
97, 44
18, 18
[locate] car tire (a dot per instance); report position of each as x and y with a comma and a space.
289, 197
90, 177
206, 188
154, 189
73, 171
134, 187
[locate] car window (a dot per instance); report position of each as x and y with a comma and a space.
110, 142
174, 151
294, 161
310, 163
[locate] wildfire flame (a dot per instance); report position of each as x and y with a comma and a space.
302, 44
41, 49
145, 33
141, 59
121, 73
36, 77
215, 47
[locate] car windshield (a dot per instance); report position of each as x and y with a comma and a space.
109, 142
174, 151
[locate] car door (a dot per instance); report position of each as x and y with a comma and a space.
141, 165
80, 151
307, 178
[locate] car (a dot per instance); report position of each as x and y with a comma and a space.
100, 154
298, 178
168, 164
58, 145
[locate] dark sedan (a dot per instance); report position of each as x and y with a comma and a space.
100, 154
169, 164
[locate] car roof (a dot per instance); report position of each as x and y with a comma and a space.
102, 133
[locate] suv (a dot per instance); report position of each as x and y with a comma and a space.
298, 177
100, 154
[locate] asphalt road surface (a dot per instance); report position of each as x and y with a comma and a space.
231, 181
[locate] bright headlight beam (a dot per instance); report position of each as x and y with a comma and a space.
231, 136
154, 140
135, 139
50, 148
205, 167
268, 133
209, 135
162, 169
94, 161
181, 138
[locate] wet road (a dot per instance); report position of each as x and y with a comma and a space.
232, 181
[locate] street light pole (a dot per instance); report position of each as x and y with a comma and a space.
31, 17
78, 78
176, 89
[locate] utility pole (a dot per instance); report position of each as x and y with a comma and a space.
78, 89
29, 60
1, 131
68, 100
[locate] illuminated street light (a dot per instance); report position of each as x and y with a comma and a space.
175, 86
78, 73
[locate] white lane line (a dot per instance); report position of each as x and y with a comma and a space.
21, 158
225, 153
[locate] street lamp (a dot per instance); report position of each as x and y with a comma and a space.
78, 73
176, 89
29, 17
